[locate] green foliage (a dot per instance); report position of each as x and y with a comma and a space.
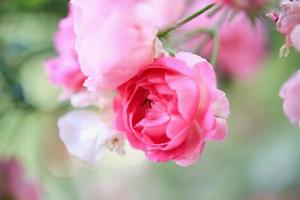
51, 6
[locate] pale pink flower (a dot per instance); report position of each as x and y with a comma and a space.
13, 185
243, 45
64, 70
290, 93
171, 108
86, 135
288, 22
115, 39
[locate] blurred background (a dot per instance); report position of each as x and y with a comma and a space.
259, 160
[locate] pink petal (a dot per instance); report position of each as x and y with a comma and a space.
187, 95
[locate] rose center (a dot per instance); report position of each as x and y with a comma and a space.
155, 120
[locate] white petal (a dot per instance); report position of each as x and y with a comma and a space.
82, 132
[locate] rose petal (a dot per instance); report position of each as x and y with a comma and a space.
187, 95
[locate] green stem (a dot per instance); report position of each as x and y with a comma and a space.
212, 33
185, 20
199, 31
214, 11
215, 50
204, 41
216, 40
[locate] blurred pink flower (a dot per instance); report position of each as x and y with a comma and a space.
12, 183
64, 70
243, 46
290, 93
114, 39
171, 108
288, 22
248, 5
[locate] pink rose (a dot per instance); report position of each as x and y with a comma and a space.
290, 93
111, 35
242, 50
288, 22
64, 70
171, 108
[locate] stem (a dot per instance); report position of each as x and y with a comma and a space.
212, 33
199, 31
214, 11
215, 50
185, 20
216, 40
204, 41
